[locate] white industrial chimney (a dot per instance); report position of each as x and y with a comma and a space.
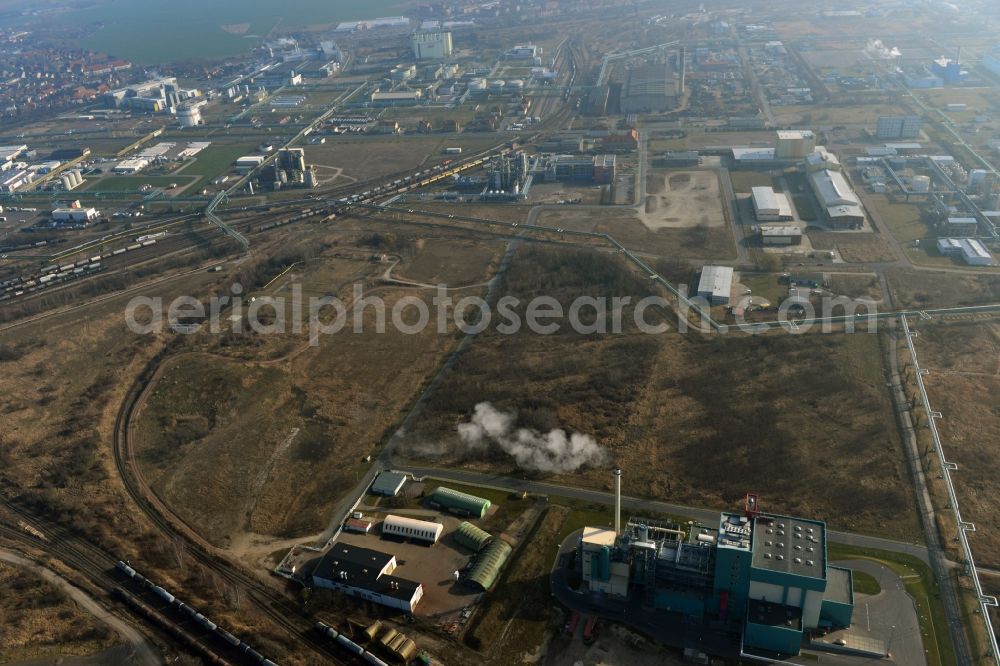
618, 501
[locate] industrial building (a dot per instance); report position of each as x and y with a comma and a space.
396, 98
289, 170
771, 206
794, 144
837, 199
388, 484
472, 537
970, 250
715, 284
485, 569
410, 528
510, 178
759, 582
649, 88
76, 215
433, 45
459, 503
780, 234
367, 574
898, 127
820, 158
10, 153
950, 71
682, 159
598, 169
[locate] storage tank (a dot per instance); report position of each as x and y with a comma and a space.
77, 176
67, 182
497, 85
921, 184
477, 84
188, 117
515, 85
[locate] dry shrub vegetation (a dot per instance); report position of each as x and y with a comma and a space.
40, 621
804, 420
964, 385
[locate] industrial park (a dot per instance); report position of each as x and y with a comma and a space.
553, 332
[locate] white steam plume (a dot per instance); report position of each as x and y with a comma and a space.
554, 451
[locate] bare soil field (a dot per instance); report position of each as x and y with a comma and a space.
364, 158
450, 261
912, 288
682, 199
696, 242
693, 420
41, 622
853, 247
964, 385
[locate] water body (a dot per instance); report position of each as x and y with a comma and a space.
155, 31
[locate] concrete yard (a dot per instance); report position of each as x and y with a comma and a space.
433, 565
679, 199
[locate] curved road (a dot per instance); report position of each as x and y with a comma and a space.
141, 652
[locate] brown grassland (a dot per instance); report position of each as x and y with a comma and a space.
804, 420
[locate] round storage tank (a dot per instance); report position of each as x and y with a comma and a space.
477, 84
921, 183
497, 85
515, 84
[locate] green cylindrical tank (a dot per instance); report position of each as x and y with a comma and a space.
605, 563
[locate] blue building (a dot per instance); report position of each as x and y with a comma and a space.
761, 579
948, 70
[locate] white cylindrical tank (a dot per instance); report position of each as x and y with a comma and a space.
921, 183
77, 176
477, 84
67, 182
515, 84
706, 538
189, 117
497, 85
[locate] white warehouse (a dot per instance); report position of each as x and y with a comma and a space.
970, 250
411, 528
770, 206
715, 284
74, 215
435, 45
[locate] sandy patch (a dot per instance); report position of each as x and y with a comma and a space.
236, 28
682, 199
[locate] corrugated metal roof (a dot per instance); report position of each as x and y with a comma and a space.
716, 280
486, 568
453, 499
472, 537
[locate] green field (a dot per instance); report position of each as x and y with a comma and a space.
152, 32
213, 161
133, 183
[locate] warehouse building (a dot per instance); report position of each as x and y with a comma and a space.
410, 528
488, 563
434, 45
774, 234
396, 98
837, 199
970, 250
715, 284
794, 144
770, 206
459, 503
762, 580
74, 215
898, 127
649, 89
388, 484
366, 574
472, 537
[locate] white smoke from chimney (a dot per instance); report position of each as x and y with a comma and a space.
554, 451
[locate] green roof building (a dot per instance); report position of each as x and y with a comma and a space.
460, 504
472, 537
486, 569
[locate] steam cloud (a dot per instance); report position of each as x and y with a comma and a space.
879, 49
554, 451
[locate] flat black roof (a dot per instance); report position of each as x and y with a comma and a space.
361, 568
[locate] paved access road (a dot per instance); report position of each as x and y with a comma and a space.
703, 515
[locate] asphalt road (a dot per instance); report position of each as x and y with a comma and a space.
702, 515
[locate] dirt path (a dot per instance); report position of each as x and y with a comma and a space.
140, 651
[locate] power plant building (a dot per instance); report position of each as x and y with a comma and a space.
760, 582
435, 45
